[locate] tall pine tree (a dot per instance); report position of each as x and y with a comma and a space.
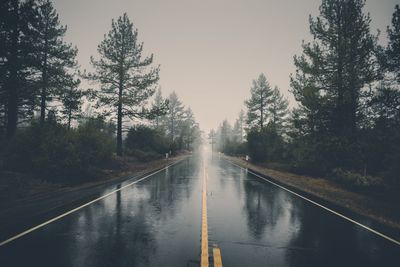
335, 67
393, 48
238, 128
55, 58
258, 104
278, 109
16, 56
72, 101
126, 83
174, 116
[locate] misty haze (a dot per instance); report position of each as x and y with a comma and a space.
199, 133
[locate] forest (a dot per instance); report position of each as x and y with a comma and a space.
345, 125
61, 123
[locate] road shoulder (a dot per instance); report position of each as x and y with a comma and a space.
384, 213
17, 215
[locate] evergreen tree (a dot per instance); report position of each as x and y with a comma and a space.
225, 135
160, 107
55, 58
335, 67
212, 137
238, 128
189, 129
72, 102
126, 84
173, 117
393, 48
278, 109
258, 104
16, 49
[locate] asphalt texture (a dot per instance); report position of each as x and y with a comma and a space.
157, 222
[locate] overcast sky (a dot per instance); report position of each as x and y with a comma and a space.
209, 50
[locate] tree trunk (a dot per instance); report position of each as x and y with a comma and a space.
69, 118
119, 122
261, 112
43, 95
12, 85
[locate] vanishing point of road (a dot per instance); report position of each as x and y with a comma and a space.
202, 211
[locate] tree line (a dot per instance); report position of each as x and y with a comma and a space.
41, 93
346, 124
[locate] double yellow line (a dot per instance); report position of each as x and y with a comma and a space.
204, 229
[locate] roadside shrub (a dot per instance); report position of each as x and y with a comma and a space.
355, 180
265, 145
234, 148
54, 153
144, 156
146, 140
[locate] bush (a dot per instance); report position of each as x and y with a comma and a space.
265, 145
144, 156
146, 143
355, 180
54, 153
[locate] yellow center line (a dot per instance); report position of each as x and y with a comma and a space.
217, 257
204, 226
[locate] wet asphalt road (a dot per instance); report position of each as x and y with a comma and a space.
156, 222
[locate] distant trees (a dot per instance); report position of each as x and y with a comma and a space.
159, 101
121, 71
173, 116
239, 128
230, 139
179, 125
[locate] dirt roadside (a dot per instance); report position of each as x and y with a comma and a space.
42, 201
380, 210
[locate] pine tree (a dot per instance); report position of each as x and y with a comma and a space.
278, 109
225, 135
126, 83
72, 102
159, 109
393, 48
335, 67
55, 58
238, 128
189, 128
258, 104
212, 137
174, 115
16, 48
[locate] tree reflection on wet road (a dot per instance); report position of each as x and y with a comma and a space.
156, 222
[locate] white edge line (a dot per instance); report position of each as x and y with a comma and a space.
321, 206
80, 207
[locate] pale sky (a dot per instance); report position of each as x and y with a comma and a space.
209, 50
